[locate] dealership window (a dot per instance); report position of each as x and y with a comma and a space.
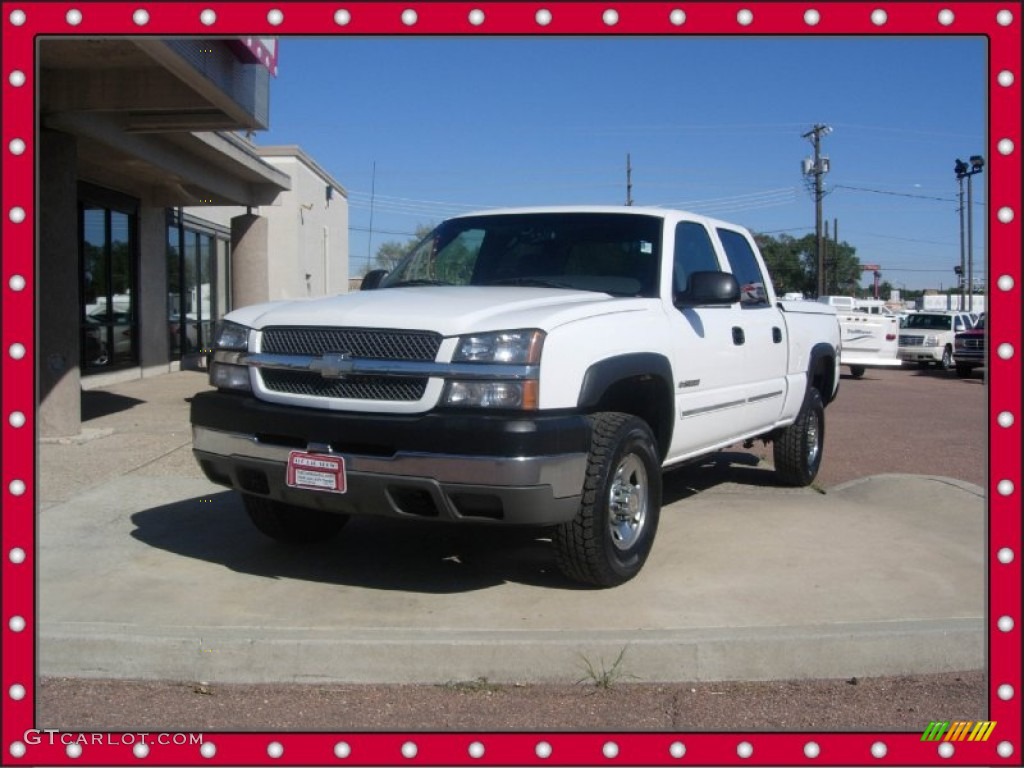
108, 269
198, 279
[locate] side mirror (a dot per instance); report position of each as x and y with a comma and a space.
371, 279
714, 288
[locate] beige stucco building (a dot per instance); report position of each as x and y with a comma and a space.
159, 212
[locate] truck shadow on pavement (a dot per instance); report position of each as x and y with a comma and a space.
407, 555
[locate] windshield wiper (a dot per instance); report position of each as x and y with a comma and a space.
416, 282
530, 281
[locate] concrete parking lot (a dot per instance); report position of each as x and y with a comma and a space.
148, 571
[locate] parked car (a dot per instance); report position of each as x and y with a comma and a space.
969, 349
927, 338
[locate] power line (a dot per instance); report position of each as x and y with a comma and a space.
897, 195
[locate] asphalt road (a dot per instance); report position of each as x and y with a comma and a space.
890, 421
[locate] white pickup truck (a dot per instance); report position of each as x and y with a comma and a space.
533, 366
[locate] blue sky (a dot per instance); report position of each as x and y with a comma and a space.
712, 124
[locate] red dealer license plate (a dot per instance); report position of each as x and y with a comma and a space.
316, 472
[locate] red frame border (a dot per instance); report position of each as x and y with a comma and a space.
17, 311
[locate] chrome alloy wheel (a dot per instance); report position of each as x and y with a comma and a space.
627, 502
813, 438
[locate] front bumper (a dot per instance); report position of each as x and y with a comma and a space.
921, 354
456, 467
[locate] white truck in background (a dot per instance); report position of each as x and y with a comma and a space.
870, 333
535, 366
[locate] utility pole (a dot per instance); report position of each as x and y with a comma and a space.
818, 168
629, 181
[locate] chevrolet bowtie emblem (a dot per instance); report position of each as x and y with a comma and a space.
334, 365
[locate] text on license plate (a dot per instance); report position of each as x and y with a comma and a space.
316, 471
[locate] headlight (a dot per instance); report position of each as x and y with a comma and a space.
225, 372
231, 336
521, 347
931, 341
506, 367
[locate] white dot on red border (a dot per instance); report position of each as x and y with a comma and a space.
543, 17
16, 419
17, 17
1005, 555
73, 17
16, 78
745, 17
17, 147
879, 17
141, 750
476, 17
1005, 623
342, 750
1005, 214
16, 283
1004, 18
17, 351
16, 624
208, 17
208, 749
141, 19
1005, 78
812, 17
342, 17
275, 749
879, 750
946, 17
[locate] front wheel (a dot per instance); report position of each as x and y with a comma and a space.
608, 541
797, 451
289, 523
947, 359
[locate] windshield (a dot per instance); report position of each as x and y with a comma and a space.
612, 253
930, 322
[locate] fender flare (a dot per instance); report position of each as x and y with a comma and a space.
820, 352
604, 374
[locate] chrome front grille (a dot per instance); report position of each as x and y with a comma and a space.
352, 387
367, 343
973, 343
911, 341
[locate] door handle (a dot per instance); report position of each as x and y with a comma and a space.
738, 337
777, 335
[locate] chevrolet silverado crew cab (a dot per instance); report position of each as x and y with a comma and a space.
533, 366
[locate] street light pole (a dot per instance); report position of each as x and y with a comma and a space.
977, 163
962, 172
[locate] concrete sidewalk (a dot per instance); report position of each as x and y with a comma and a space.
147, 570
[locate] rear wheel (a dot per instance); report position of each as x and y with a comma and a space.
857, 371
291, 524
608, 541
797, 451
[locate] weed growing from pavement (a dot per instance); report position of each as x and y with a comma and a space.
480, 685
603, 678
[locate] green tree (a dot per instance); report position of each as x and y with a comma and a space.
390, 253
793, 264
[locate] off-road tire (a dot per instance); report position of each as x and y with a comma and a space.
608, 541
290, 524
797, 451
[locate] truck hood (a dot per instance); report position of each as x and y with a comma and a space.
448, 310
